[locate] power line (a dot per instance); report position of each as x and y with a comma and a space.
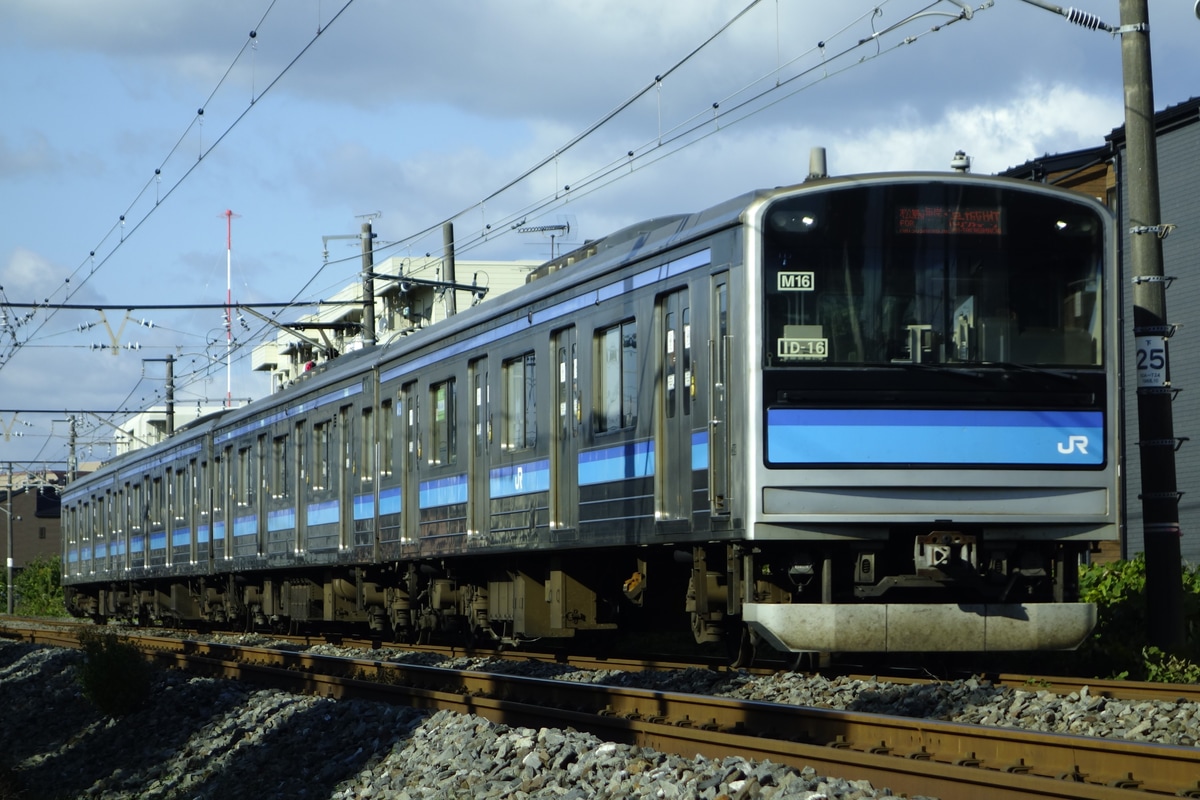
156, 178
722, 113
179, 306
734, 107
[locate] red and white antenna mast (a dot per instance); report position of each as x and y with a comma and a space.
229, 215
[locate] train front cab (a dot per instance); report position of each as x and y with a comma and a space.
935, 415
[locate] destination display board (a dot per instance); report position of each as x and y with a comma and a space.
947, 220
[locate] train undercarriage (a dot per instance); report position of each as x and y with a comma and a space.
918, 591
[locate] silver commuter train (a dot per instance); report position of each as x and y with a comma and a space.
865, 414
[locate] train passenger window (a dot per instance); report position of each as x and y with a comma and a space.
617, 379
443, 449
386, 432
180, 499
366, 447
320, 455
482, 395
242, 479
200, 479
520, 404
280, 462
156, 501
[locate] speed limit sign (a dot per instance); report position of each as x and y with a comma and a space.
1152, 362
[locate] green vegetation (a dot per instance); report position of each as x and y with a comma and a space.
38, 589
1118, 647
114, 676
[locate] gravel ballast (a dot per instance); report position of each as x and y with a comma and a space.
205, 738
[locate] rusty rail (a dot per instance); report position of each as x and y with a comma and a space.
910, 756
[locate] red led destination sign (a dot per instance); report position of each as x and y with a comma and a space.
945, 220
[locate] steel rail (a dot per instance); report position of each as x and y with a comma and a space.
914, 756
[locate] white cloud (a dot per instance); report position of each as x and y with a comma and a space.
997, 136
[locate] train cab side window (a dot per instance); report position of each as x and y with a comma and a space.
444, 432
617, 379
520, 406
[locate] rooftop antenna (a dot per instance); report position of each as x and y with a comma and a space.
229, 215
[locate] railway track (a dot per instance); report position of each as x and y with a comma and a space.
910, 756
39, 629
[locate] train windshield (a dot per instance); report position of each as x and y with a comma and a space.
932, 273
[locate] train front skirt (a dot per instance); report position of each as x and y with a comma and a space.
905, 627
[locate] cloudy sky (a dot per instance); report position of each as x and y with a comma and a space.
115, 188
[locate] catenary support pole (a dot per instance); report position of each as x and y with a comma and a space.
1155, 436
9, 551
368, 270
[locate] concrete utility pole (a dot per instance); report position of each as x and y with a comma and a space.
72, 459
9, 553
1156, 430
1156, 437
449, 274
170, 421
368, 265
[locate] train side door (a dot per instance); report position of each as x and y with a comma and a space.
718, 422
478, 481
568, 410
673, 410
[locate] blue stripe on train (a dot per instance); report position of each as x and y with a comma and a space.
699, 450
631, 460
282, 519
364, 506
390, 501
324, 513
517, 479
895, 436
443, 491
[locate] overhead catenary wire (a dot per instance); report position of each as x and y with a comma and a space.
666, 143
733, 107
128, 227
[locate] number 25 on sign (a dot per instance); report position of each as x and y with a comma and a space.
1152, 362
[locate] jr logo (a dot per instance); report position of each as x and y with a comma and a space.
1074, 443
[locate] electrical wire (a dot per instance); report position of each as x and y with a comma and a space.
674, 139
728, 110
121, 224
